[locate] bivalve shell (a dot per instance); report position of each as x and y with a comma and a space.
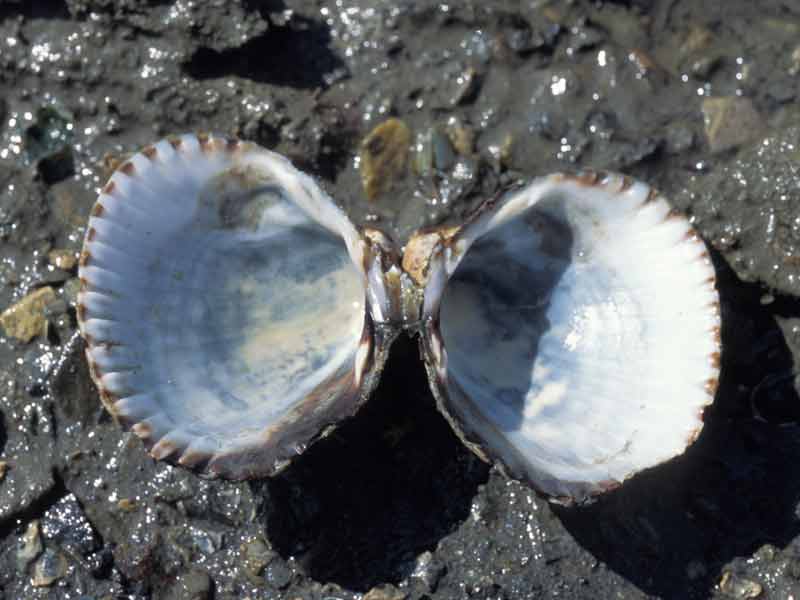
233, 315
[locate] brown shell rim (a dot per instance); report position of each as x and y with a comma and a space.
280, 446
589, 178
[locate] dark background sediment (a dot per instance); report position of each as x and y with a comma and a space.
700, 99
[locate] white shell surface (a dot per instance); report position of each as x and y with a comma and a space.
579, 331
221, 290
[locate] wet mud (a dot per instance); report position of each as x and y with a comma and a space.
697, 98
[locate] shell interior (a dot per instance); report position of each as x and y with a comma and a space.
578, 328
233, 314
216, 304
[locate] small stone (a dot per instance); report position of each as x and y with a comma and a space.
730, 122
51, 567
738, 587
422, 157
206, 541
30, 546
257, 555
25, 319
50, 132
3, 469
57, 166
383, 156
51, 275
126, 504
278, 575
443, 156
193, 585
468, 84
63, 259
385, 592
502, 153
461, 136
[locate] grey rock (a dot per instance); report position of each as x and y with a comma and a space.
745, 209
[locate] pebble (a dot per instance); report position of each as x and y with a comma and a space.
434, 149
257, 555
30, 546
462, 136
738, 587
385, 592
422, 157
192, 585
383, 156
730, 122
63, 259
443, 155
52, 275
126, 504
468, 84
51, 567
26, 319
57, 166
503, 152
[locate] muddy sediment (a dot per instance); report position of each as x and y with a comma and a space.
698, 99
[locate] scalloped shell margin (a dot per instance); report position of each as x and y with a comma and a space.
448, 253
165, 442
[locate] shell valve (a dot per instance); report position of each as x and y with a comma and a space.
233, 315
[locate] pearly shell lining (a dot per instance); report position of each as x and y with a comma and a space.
579, 329
214, 305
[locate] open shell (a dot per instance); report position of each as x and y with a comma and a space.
224, 306
233, 315
574, 332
